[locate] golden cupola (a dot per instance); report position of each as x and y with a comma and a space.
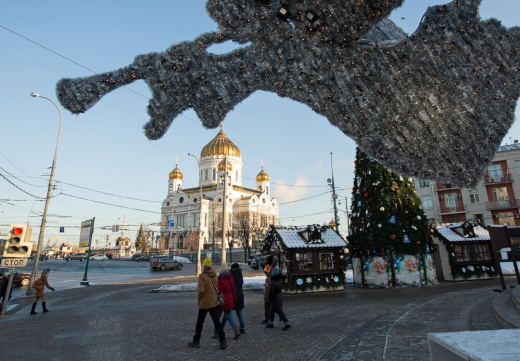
221, 166
176, 173
262, 176
220, 145
332, 224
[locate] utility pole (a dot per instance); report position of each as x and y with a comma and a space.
223, 253
334, 196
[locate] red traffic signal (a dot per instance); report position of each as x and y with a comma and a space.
19, 242
17, 231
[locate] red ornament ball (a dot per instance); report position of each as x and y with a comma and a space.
393, 236
355, 162
366, 195
418, 243
353, 189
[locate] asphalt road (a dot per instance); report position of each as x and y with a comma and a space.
68, 274
127, 322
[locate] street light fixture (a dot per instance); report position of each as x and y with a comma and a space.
44, 217
198, 268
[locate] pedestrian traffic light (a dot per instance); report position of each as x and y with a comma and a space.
18, 241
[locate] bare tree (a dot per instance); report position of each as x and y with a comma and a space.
243, 226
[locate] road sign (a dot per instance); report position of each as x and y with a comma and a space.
171, 224
157, 237
259, 235
14, 262
62, 229
84, 236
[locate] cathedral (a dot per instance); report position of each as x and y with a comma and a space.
186, 214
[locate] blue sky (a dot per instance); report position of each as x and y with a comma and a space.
105, 149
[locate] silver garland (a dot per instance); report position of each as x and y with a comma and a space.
434, 105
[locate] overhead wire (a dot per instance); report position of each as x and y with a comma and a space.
109, 194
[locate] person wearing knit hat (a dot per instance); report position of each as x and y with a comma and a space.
226, 286
208, 303
236, 273
276, 300
267, 305
207, 262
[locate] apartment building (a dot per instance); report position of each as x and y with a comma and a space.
494, 200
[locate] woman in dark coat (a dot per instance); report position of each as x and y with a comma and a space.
276, 300
236, 273
226, 286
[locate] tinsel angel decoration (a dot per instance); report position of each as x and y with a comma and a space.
434, 105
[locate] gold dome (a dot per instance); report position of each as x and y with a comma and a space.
332, 224
262, 176
221, 166
220, 145
176, 173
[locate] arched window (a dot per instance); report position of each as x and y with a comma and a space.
179, 187
205, 220
229, 180
206, 175
171, 188
214, 174
267, 189
236, 175
259, 188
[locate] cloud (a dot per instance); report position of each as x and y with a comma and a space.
289, 193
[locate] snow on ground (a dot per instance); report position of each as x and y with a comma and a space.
250, 283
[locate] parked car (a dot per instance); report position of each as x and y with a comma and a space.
76, 257
144, 259
164, 263
249, 259
259, 261
98, 257
43, 257
20, 279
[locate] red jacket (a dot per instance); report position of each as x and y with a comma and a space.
226, 286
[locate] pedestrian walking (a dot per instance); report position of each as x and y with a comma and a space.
39, 285
4, 280
226, 286
267, 285
276, 300
208, 303
236, 273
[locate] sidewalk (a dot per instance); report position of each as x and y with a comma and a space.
127, 322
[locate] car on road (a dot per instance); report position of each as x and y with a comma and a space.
43, 257
259, 261
76, 257
98, 257
164, 263
144, 259
20, 278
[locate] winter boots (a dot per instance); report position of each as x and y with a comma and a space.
223, 344
33, 312
215, 335
44, 307
243, 331
265, 322
269, 325
194, 343
286, 327
237, 332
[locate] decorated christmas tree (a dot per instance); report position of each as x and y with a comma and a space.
389, 234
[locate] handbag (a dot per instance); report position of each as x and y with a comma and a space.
220, 296
38, 285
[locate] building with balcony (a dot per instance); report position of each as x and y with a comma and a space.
494, 200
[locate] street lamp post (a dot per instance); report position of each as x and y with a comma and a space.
44, 217
198, 268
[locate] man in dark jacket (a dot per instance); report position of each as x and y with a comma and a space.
276, 300
236, 273
208, 303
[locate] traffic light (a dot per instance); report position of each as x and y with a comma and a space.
18, 241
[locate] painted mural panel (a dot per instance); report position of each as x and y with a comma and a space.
409, 270
377, 272
431, 272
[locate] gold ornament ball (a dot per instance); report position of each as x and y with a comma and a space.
382, 209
